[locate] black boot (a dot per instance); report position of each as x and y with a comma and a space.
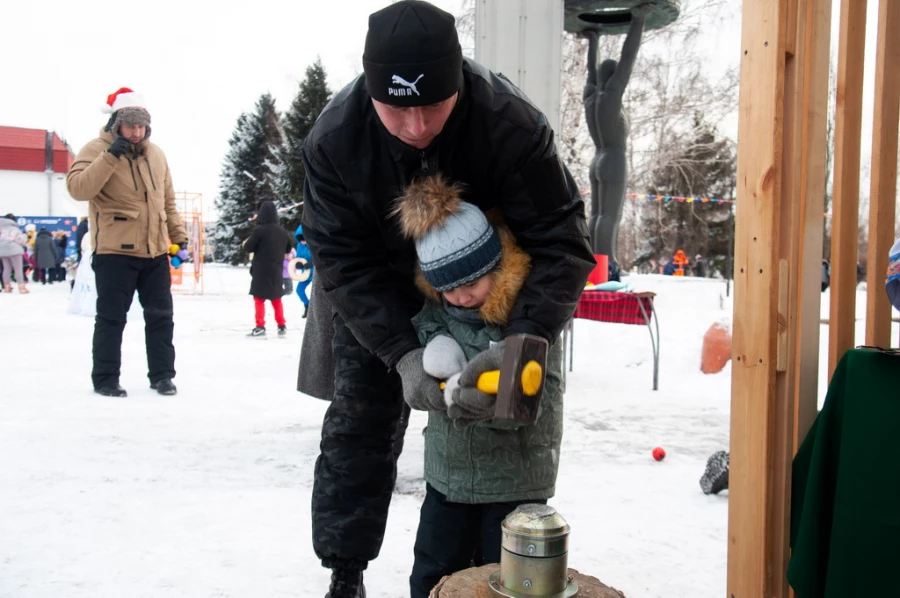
305, 310
346, 583
111, 390
164, 387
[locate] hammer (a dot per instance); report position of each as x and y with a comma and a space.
520, 381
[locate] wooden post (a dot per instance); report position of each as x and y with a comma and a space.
883, 199
752, 565
845, 219
814, 41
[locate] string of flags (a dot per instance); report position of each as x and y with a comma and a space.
679, 199
668, 198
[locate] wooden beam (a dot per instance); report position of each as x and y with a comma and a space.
816, 38
757, 238
845, 217
883, 197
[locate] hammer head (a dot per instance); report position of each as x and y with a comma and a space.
521, 383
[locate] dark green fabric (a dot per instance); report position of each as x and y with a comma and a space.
487, 462
845, 504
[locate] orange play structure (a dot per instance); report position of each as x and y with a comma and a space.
188, 278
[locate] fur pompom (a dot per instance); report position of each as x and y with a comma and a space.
426, 203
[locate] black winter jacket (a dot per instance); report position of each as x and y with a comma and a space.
268, 243
500, 147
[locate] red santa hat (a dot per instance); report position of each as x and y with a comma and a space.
123, 98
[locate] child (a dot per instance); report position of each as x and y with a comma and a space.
268, 243
285, 275
471, 273
12, 247
304, 253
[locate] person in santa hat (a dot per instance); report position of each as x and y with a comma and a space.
133, 221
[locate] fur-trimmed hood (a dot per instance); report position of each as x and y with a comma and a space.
427, 203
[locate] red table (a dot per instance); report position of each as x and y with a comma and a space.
618, 307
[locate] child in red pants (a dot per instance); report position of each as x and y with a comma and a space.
268, 243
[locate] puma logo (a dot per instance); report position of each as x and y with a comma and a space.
408, 88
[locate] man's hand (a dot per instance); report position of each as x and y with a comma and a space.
119, 147
469, 404
420, 390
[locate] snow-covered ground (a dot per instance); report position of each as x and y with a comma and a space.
207, 494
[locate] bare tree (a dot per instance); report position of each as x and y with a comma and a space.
465, 27
671, 83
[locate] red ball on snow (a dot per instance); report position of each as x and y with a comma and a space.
659, 453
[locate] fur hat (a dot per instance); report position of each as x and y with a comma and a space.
454, 240
412, 55
128, 108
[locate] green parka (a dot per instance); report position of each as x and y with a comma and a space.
488, 462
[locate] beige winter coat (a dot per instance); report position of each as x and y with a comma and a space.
132, 200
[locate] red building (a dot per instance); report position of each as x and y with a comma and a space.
33, 167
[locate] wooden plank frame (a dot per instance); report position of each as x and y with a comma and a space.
781, 179
883, 197
845, 211
757, 237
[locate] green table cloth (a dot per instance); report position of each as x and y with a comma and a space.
845, 503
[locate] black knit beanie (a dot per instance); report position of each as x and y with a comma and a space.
412, 55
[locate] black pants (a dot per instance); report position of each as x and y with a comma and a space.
356, 469
118, 276
454, 536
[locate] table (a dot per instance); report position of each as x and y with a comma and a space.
616, 307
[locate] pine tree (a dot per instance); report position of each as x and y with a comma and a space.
704, 167
298, 120
249, 177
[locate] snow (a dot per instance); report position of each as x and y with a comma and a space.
208, 493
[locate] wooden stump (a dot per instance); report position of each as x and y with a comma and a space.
473, 583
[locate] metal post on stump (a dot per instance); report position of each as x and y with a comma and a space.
533, 563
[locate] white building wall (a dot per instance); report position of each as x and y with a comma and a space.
522, 39
28, 194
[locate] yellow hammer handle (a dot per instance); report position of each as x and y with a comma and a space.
489, 382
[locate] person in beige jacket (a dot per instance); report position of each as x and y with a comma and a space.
133, 221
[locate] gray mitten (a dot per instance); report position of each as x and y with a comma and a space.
420, 390
443, 357
469, 404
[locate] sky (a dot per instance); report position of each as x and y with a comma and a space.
199, 66
199, 69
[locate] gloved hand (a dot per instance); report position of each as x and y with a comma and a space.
443, 357
420, 390
119, 147
469, 404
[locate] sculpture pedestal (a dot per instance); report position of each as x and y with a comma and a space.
473, 583
613, 17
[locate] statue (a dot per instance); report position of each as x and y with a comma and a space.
608, 127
